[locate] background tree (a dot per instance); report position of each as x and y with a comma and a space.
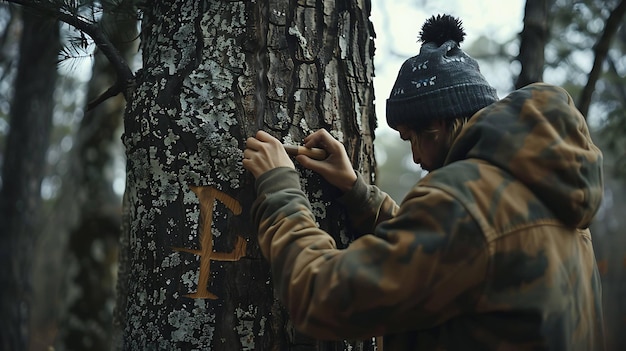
533, 40
601, 50
92, 249
22, 172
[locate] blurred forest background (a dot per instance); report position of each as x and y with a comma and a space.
69, 216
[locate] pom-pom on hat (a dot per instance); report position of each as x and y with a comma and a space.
441, 82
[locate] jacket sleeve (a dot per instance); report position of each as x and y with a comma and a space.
367, 206
420, 268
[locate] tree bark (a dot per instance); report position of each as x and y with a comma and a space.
215, 72
533, 39
22, 173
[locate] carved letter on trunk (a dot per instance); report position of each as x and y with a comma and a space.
207, 197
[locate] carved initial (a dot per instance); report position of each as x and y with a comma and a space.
207, 197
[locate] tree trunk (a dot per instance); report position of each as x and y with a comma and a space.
533, 41
214, 72
22, 173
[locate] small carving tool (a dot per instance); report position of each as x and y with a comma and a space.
314, 153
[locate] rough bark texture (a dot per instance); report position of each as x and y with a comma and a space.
533, 41
214, 72
23, 169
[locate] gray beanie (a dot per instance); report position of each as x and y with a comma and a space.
441, 82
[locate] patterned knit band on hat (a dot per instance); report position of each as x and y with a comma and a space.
441, 82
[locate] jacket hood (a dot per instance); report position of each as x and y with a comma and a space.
537, 135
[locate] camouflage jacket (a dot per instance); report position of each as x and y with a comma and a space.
489, 252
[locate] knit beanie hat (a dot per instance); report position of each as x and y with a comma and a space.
441, 82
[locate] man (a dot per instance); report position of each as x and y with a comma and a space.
489, 251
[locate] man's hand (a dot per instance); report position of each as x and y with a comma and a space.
264, 153
336, 168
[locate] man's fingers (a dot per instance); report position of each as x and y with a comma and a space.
265, 137
317, 138
323, 139
253, 143
247, 153
306, 162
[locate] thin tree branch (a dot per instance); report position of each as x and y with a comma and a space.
601, 50
125, 76
109, 93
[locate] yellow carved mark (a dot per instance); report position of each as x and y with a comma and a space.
207, 197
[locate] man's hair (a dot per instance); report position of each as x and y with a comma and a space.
454, 129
